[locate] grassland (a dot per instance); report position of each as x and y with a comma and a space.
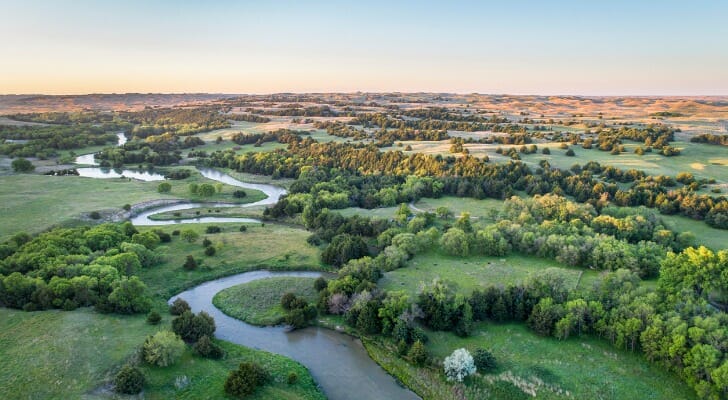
33, 203
480, 209
73, 354
259, 302
579, 368
470, 273
272, 246
716, 239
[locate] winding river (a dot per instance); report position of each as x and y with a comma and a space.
338, 362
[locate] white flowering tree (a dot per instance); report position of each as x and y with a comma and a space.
458, 365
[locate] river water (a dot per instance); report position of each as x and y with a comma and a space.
338, 362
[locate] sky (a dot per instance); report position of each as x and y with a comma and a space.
614, 47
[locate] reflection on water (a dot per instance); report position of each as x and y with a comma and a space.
338, 362
88, 159
106, 173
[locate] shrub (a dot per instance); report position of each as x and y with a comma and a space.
164, 187
209, 251
153, 318
417, 354
243, 228
192, 327
22, 165
570, 153
239, 194
484, 360
178, 307
162, 349
127, 207
207, 348
244, 380
320, 283
164, 237
206, 242
190, 235
175, 232
95, 215
129, 380
292, 378
206, 190
459, 365
545, 150
213, 229
190, 263
287, 300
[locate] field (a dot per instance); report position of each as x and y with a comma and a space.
583, 367
33, 203
716, 239
71, 354
258, 302
470, 273
261, 247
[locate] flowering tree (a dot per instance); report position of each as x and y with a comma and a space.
458, 365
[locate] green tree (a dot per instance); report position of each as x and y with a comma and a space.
129, 380
455, 242
417, 353
243, 381
22, 165
206, 190
162, 349
129, 296
164, 187
189, 235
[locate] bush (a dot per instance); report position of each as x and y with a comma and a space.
164, 187
239, 194
127, 207
153, 318
95, 215
175, 232
287, 300
243, 381
570, 153
206, 242
209, 251
190, 235
418, 354
320, 283
179, 306
292, 378
207, 348
213, 229
206, 190
22, 165
162, 349
459, 365
190, 263
243, 228
484, 360
545, 150
192, 327
129, 380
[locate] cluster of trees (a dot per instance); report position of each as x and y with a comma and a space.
472, 177
70, 268
247, 118
45, 141
709, 138
299, 312
177, 121
280, 136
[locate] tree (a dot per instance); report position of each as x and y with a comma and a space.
128, 296
162, 349
244, 380
164, 187
153, 318
484, 360
206, 190
194, 188
417, 353
455, 242
179, 306
320, 283
344, 247
129, 380
207, 348
22, 165
190, 235
192, 327
459, 365
190, 263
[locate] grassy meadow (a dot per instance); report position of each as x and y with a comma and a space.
258, 302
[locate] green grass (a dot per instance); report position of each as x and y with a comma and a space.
190, 213
272, 246
33, 203
716, 239
470, 273
258, 302
64, 354
74, 354
381, 212
586, 367
207, 377
480, 209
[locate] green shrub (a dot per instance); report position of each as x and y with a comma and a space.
209, 251
213, 229
22, 165
178, 307
129, 380
162, 349
190, 263
207, 348
292, 378
164, 187
243, 228
153, 318
94, 215
192, 327
417, 354
484, 360
244, 380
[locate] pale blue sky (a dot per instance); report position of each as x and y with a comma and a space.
546, 47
